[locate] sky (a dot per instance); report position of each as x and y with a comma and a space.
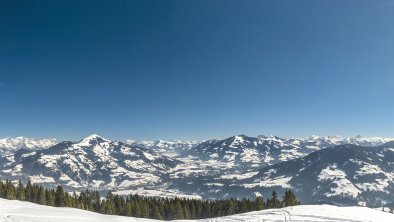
196, 69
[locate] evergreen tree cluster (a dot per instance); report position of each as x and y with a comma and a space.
139, 206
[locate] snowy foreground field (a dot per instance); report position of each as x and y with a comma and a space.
17, 211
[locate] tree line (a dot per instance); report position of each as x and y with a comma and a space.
140, 206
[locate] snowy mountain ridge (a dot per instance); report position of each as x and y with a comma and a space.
10, 145
346, 174
93, 162
326, 141
238, 166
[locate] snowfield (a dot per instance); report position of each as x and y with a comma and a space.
17, 211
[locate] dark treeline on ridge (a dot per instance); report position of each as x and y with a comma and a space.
138, 206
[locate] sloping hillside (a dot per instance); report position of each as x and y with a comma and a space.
17, 211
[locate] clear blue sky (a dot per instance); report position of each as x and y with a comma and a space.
196, 69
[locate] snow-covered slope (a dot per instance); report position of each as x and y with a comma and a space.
241, 156
246, 151
346, 174
93, 162
11, 145
17, 211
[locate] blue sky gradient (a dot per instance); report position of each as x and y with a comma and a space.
196, 69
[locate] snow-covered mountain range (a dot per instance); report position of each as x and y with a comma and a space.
93, 162
345, 174
327, 141
319, 169
10, 145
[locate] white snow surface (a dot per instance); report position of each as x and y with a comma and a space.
17, 211
342, 185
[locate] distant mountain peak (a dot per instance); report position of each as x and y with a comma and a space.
269, 137
92, 138
239, 137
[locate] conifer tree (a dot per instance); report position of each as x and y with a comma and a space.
230, 208
2, 190
10, 191
245, 206
136, 211
109, 204
259, 203
50, 197
41, 196
178, 214
128, 210
289, 199
186, 212
156, 213
59, 197
274, 201
20, 191
29, 191
74, 201
192, 211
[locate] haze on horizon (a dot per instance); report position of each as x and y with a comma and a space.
196, 69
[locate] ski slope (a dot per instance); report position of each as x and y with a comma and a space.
17, 211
